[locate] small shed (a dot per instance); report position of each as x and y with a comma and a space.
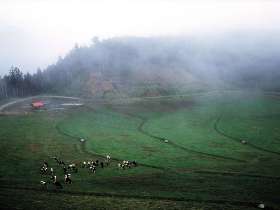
37, 104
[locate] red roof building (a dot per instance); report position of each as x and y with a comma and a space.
37, 104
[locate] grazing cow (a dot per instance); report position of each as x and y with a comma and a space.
120, 165
108, 158
134, 163
261, 206
123, 164
92, 168
67, 179
52, 178
46, 164
244, 142
64, 170
97, 162
43, 184
73, 167
44, 169
127, 164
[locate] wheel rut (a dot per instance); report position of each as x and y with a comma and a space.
236, 139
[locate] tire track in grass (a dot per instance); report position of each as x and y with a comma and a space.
161, 139
140, 128
236, 139
231, 202
235, 174
84, 150
143, 121
142, 197
235, 203
206, 172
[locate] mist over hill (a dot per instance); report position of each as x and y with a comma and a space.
142, 66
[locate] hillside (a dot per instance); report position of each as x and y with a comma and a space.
135, 66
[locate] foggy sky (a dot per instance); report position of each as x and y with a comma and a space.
33, 33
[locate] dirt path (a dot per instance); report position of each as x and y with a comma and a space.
4, 106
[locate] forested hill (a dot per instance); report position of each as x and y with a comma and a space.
132, 66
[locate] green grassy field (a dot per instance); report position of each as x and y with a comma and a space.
203, 165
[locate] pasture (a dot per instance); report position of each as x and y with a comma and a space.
217, 150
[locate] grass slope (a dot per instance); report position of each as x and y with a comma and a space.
203, 165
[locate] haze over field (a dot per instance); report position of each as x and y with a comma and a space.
35, 33
151, 104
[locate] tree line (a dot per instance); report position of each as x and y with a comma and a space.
135, 66
18, 84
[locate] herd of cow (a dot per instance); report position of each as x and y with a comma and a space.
47, 171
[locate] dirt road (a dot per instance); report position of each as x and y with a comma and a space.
4, 106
